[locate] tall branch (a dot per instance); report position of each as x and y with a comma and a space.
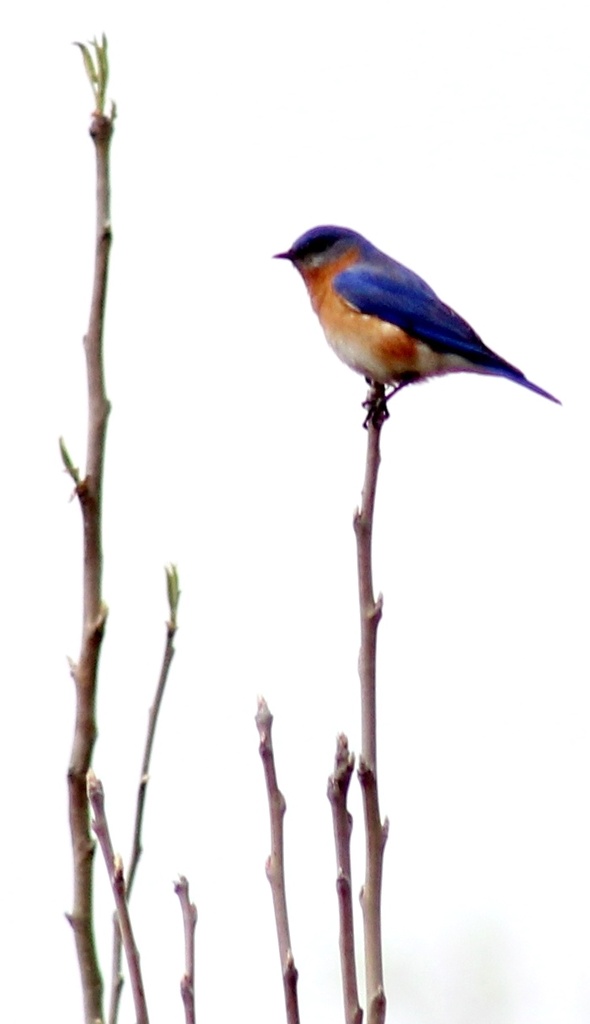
370, 615
85, 671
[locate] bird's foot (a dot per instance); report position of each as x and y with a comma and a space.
376, 406
377, 399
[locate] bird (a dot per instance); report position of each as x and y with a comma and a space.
384, 321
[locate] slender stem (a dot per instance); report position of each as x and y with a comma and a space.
375, 839
89, 492
189, 917
370, 610
370, 615
275, 865
154, 712
136, 850
117, 880
338, 784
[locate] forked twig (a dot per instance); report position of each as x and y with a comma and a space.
173, 591
338, 784
117, 879
189, 917
275, 865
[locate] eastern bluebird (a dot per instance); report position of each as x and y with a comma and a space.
383, 320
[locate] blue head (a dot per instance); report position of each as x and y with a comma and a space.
321, 245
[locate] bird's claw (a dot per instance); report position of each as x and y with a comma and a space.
377, 411
377, 399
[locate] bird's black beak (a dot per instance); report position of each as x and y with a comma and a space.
288, 255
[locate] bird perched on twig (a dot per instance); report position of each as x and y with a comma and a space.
383, 320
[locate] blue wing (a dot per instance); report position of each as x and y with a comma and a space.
402, 298
397, 295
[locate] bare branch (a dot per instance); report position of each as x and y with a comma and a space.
84, 672
117, 879
275, 865
370, 615
338, 784
189, 917
173, 592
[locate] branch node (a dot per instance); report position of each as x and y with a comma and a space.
342, 883
377, 1007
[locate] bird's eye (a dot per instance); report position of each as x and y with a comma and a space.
317, 246
314, 248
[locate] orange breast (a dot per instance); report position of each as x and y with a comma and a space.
370, 346
373, 347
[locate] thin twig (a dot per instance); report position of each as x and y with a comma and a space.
275, 865
117, 879
173, 591
338, 784
189, 917
84, 672
370, 615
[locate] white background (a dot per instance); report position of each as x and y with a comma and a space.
455, 137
